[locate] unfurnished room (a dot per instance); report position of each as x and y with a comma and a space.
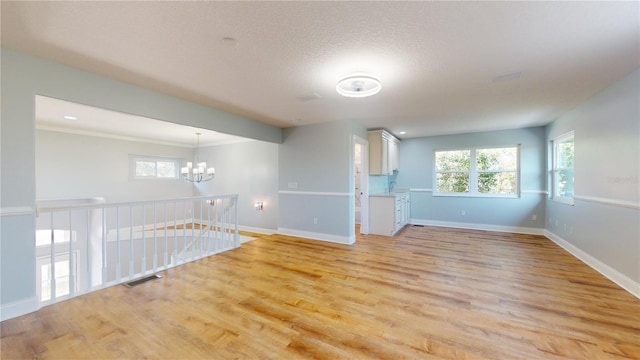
320, 180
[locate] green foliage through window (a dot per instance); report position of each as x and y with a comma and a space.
150, 168
563, 174
490, 171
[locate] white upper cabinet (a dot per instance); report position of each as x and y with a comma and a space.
383, 153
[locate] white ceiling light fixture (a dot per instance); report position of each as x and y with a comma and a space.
199, 172
358, 86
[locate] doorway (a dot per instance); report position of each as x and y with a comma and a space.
361, 183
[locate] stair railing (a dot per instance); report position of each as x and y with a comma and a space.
84, 246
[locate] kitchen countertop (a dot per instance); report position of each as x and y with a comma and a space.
390, 193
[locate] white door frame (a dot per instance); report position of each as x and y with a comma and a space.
364, 182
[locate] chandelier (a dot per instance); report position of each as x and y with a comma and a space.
199, 172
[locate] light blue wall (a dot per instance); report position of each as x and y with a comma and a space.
249, 169
605, 220
416, 172
25, 76
319, 158
72, 166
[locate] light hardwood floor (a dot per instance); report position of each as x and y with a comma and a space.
427, 293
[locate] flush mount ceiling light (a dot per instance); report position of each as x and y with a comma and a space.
358, 86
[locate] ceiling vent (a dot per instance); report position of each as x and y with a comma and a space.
309, 97
507, 77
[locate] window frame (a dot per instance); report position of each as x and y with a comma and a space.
72, 278
474, 172
568, 200
133, 159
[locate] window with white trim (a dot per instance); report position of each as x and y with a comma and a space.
63, 279
148, 167
477, 172
562, 173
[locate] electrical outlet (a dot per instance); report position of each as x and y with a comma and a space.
463, 213
292, 185
534, 217
315, 221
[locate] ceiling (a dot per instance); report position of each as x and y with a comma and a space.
52, 114
445, 67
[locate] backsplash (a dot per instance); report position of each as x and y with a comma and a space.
380, 183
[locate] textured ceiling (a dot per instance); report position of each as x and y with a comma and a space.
437, 60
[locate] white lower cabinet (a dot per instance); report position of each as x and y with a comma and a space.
388, 214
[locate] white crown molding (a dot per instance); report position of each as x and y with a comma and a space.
108, 135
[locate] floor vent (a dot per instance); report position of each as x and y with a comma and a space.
418, 225
143, 280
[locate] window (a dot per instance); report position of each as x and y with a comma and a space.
43, 237
62, 279
563, 174
452, 171
477, 171
154, 168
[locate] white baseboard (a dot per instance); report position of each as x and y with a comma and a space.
257, 230
474, 226
604, 269
19, 308
346, 240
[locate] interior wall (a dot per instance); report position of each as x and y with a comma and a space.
316, 181
71, 166
512, 214
249, 169
23, 77
604, 222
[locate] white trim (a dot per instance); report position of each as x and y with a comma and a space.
477, 195
608, 201
345, 240
614, 275
476, 226
364, 184
474, 172
538, 192
40, 126
315, 193
245, 238
134, 158
257, 230
19, 308
16, 210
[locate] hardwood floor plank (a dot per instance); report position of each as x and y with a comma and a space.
428, 293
